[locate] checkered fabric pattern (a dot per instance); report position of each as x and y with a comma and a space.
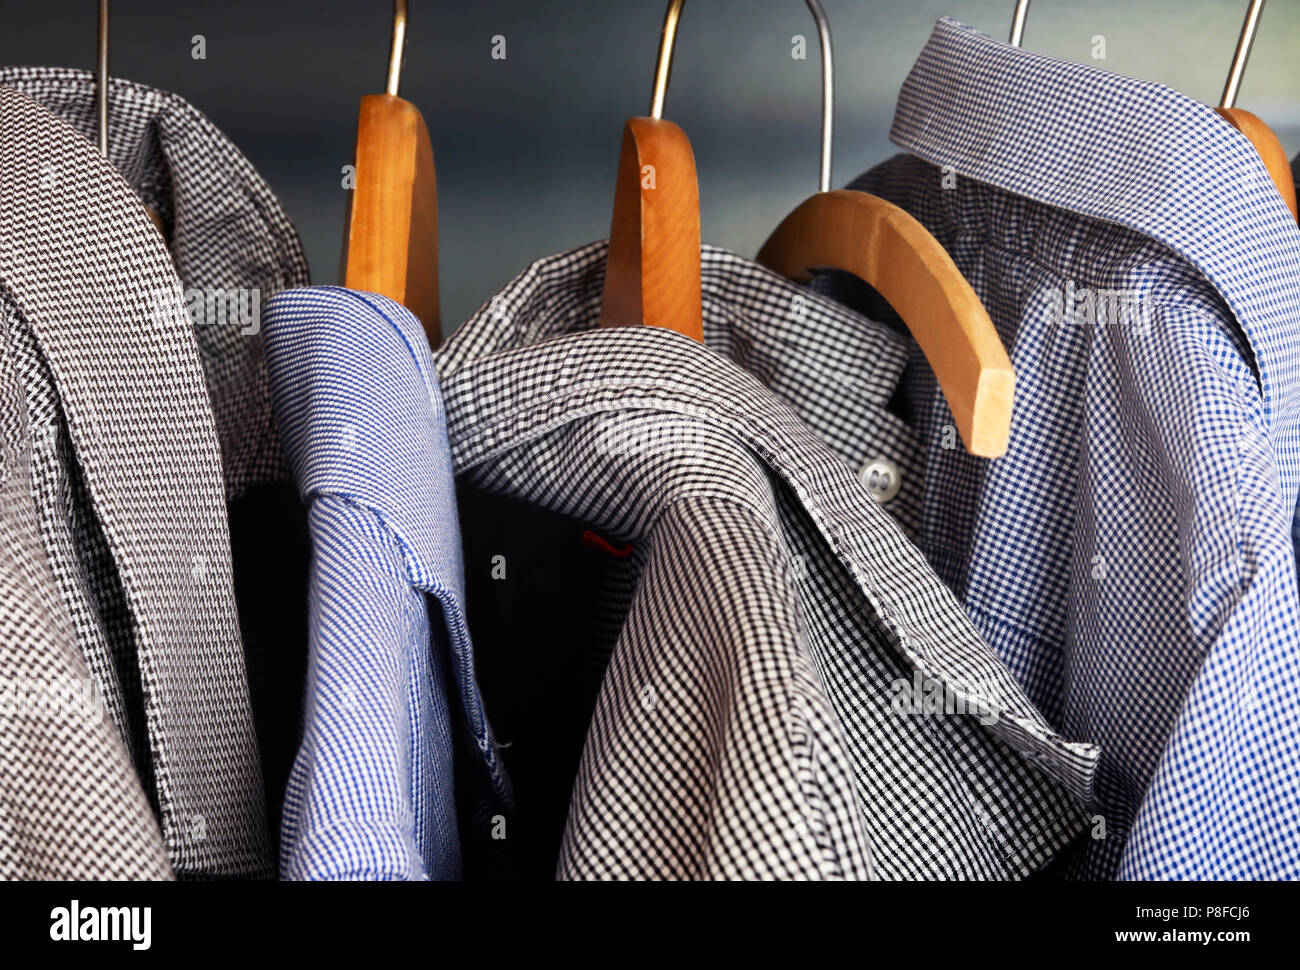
1295, 525
371, 794
227, 232
756, 719
134, 528
1130, 558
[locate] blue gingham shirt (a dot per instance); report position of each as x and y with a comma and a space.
371, 794
1131, 557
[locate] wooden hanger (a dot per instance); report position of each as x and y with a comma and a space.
887, 248
1260, 135
101, 103
652, 274
390, 240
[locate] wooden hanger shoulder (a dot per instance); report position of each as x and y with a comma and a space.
887, 248
390, 242
1270, 151
652, 275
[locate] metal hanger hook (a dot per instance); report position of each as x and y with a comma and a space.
664, 66
1249, 27
1018, 23
101, 80
397, 52
1242, 54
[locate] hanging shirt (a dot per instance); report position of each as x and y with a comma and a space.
697, 631
233, 246
123, 474
1130, 557
71, 806
1295, 527
390, 688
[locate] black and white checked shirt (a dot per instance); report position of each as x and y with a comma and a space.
788, 690
148, 409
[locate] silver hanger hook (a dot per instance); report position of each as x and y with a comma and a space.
1018, 23
828, 92
101, 80
1249, 27
397, 52
664, 65
1239, 58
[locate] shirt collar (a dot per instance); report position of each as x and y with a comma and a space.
526, 365
230, 240
1129, 152
361, 417
837, 369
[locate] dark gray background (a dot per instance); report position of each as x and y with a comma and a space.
526, 148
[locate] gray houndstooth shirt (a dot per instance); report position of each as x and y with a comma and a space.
146, 408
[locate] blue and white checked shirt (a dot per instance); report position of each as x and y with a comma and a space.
1131, 557
391, 676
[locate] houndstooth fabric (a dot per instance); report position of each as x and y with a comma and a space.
109, 373
227, 233
755, 719
71, 807
79, 558
1131, 556
230, 240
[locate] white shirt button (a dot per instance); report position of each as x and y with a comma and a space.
881, 479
